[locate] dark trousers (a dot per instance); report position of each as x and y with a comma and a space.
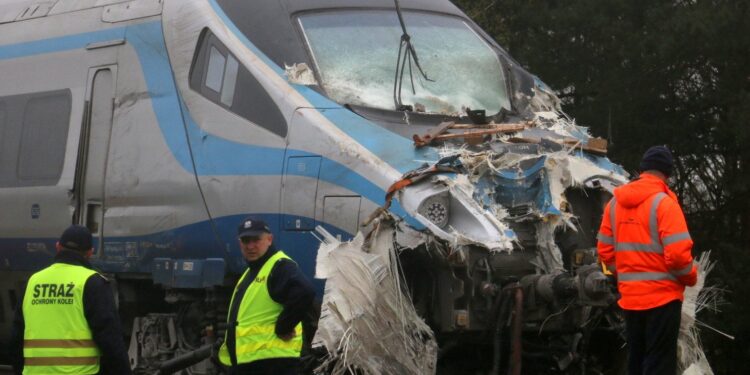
652, 339
274, 366
283, 371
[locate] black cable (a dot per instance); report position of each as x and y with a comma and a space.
396, 80
410, 54
211, 220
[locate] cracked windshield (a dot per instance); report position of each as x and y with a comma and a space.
356, 53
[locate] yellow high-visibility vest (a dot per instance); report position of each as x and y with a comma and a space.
255, 336
57, 338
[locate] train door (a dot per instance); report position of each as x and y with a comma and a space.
93, 150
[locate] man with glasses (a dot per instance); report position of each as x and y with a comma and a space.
264, 330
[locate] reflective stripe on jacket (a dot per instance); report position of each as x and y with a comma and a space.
57, 337
649, 247
255, 336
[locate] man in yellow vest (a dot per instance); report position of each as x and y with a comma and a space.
264, 330
67, 322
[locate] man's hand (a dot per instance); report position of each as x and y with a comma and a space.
287, 336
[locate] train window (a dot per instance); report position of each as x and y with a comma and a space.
34, 135
230, 80
355, 53
45, 133
215, 73
220, 77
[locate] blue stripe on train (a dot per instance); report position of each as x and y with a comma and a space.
136, 254
196, 241
221, 156
147, 39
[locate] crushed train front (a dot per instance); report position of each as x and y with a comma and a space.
497, 238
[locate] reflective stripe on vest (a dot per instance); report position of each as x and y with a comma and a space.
612, 222
605, 239
683, 271
635, 246
256, 322
655, 246
57, 337
653, 222
645, 276
674, 238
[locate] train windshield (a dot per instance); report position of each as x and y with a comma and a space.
355, 53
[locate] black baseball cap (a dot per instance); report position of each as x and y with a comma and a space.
252, 227
76, 237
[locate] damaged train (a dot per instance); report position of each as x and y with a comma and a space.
160, 124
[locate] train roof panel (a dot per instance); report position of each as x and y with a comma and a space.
20, 10
442, 6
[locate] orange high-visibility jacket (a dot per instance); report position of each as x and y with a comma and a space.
650, 247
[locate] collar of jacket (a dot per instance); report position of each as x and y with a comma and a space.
640, 189
73, 258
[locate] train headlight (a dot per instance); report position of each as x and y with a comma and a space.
450, 212
436, 209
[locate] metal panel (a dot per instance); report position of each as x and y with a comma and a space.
105, 44
300, 189
36, 10
11, 9
65, 6
96, 146
188, 273
132, 10
342, 212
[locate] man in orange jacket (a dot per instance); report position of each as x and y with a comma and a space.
645, 243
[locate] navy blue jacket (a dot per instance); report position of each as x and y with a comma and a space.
101, 314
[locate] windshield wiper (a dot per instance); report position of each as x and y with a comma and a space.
409, 53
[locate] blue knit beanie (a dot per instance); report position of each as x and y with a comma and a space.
658, 158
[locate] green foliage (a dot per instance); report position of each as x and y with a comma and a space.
657, 72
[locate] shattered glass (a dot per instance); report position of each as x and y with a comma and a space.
355, 53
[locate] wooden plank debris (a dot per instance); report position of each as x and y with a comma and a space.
431, 134
472, 136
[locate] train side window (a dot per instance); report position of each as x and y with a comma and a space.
218, 76
34, 130
215, 72
230, 81
45, 133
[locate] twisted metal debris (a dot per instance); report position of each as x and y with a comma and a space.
368, 322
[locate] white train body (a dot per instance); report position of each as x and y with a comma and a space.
160, 124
